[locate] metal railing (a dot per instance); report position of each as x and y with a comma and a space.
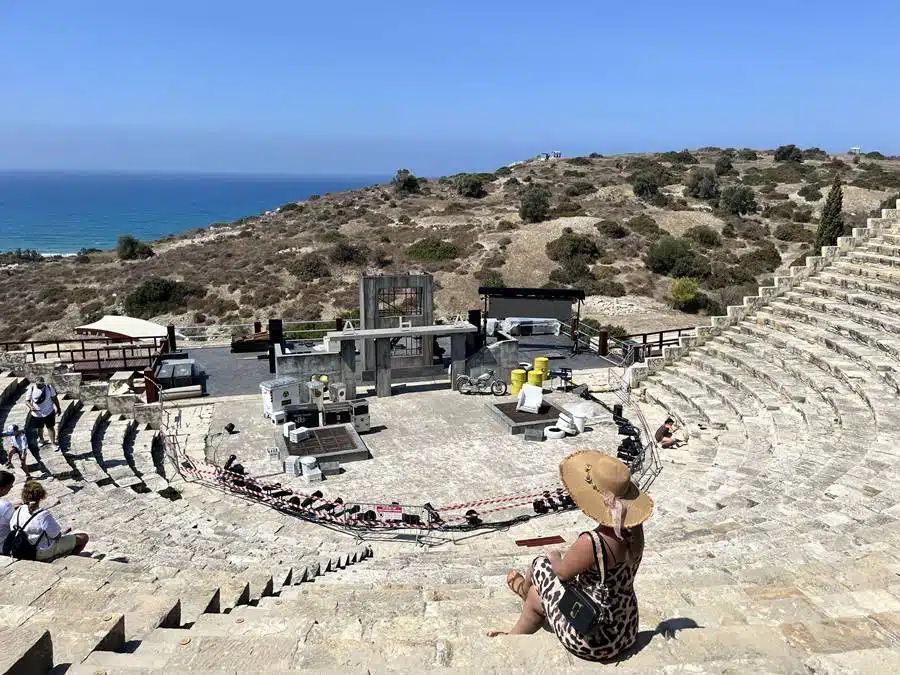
651, 344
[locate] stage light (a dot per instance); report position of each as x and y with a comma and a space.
312, 498
540, 506
434, 518
472, 518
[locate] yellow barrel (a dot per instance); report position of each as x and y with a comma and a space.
519, 377
536, 377
542, 363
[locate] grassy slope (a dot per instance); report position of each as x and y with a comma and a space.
244, 267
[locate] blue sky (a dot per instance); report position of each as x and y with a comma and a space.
277, 86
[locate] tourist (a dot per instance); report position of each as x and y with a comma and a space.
664, 434
41, 527
18, 445
600, 565
43, 403
6, 509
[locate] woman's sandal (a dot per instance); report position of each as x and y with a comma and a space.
516, 588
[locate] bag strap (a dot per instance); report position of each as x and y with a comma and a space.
31, 517
597, 542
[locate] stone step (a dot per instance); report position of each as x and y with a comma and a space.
109, 448
871, 258
79, 446
74, 633
144, 450
852, 283
25, 651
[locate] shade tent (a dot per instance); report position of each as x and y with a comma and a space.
123, 327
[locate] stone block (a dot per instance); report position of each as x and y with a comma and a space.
26, 651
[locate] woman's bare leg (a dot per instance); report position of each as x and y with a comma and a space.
531, 619
82, 541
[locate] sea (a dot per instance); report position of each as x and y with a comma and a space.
61, 213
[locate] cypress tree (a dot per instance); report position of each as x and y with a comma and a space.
831, 224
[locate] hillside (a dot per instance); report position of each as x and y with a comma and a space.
618, 226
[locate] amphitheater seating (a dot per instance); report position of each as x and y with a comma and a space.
773, 548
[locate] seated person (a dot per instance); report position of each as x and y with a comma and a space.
6, 509
664, 435
43, 531
18, 446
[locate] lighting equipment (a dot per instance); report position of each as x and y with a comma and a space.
539, 506
472, 518
312, 498
434, 518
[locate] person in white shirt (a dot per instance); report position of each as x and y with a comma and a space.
18, 445
43, 403
6, 509
41, 527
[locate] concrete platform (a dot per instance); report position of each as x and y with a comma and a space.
333, 443
516, 422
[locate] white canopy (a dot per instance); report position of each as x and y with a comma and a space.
122, 327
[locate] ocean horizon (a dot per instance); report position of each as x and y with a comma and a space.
61, 212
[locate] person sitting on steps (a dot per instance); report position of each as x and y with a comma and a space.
42, 529
6, 509
664, 435
601, 564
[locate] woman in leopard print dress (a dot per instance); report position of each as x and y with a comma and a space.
601, 487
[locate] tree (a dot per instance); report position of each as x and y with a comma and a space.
831, 224
788, 153
405, 182
724, 166
130, 248
470, 185
748, 155
737, 200
535, 204
701, 183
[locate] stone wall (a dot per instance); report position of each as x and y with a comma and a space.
304, 366
502, 357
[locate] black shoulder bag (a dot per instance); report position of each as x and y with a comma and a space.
585, 608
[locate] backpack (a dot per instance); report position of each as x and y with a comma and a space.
16, 544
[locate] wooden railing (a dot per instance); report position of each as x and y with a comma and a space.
93, 356
651, 344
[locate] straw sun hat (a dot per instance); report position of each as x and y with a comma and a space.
596, 481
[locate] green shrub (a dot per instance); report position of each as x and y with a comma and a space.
470, 185
433, 249
748, 155
645, 226
703, 235
701, 184
683, 293
572, 271
680, 157
802, 214
784, 211
345, 253
814, 153
873, 155
405, 182
674, 257
792, 232
332, 237
159, 296
503, 171
764, 259
737, 200
724, 167
579, 161
645, 183
566, 209
129, 248
810, 193
580, 187
723, 274
570, 246
608, 287
309, 267
889, 203
290, 206
612, 229
788, 153
614, 330
535, 204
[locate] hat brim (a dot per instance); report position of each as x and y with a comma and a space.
638, 504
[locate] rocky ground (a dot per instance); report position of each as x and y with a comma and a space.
301, 261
